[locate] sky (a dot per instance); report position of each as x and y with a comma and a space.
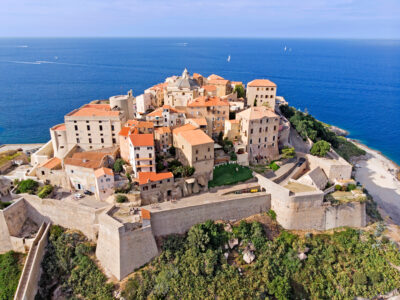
202, 18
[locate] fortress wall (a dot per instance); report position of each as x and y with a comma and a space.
63, 213
349, 214
277, 192
15, 216
136, 249
180, 220
5, 241
335, 169
108, 244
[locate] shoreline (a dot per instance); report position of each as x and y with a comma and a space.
378, 174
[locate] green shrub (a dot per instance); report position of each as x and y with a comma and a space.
274, 166
233, 156
10, 272
338, 187
118, 165
27, 186
320, 148
121, 198
288, 152
45, 190
3, 205
272, 214
351, 187
239, 89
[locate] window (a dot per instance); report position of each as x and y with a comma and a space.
42, 172
271, 96
259, 130
137, 155
150, 155
265, 139
76, 127
145, 188
149, 148
273, 138
168, 180
266, 129
88, 127
197, 151
258, 89
251, 131
90, 140
153, 186
102, 140
208, 149
114, 141
259, 140
101, 127
108, 179
251, 141
99, 121
89, 134
151, 169
77, 140
274, 128
62, 147
87, 121
112, 127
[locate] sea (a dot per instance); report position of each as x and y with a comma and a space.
353, 84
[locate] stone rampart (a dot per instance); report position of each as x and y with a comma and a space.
351, 214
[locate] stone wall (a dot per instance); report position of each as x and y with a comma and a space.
15, 216
351, 214
335, 169
179, 220
5, 241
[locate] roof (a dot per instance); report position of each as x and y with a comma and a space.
197, 75
51, 164
59, 127
182, 128
146, 139
87, 159
124, 131
196, 137
257, 112
261, 82
94, 110
162, 130
145, 214
185, 82
156, 113
236, 83
146, 177
159, 86
141, 124
208, 101
103, 171
209, 88
218, 81
199, 121
214, 76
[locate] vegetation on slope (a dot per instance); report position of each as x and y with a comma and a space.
308, 126
341, 265
67, 266
10, 271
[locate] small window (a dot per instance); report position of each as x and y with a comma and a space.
153, 186
77, 140
145, 188
42, 172
112, 127
90, 141
102, 140
101, 127
76, 127
88, 127
114, 141
197, 151
209, 149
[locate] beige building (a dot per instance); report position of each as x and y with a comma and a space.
155, 187
157, 92
181, 90
51, 171
194, 148
162, 139
104, 183
132, 127
261, 92
259, 133
232, 130
223, 86
166, 116
215, 110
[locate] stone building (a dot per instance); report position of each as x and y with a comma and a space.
259, 133
51, 171
223, 86
166, 116
162, 139
261, 92
194, 148
104, 183
157, 92
155, 187
215, 110
132, 126
232, 130
181, 90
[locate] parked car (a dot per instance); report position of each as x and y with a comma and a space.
78, 196
86, 192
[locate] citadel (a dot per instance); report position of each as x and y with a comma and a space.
128, 170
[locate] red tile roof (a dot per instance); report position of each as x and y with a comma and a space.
145, 214
208, 101
94, 110
147, 177
185, 127
261, 83
52, 163
125, 131
146, 139
59, 127
103, 171
213, 76
196, 137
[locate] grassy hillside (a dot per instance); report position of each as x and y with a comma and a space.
11, 264
340, 265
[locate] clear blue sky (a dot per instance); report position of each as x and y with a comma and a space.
207, 18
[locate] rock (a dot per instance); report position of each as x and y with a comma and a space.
228, 227
226, 254
251, 247
339, 131
248, 256
306, 249
201, 180
177, 193
302, 256
233, 243
196, 188
185, 190
226, 246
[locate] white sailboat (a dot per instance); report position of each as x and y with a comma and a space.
284, 49
229, 58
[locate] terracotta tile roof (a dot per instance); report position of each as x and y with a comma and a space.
197, 75
254, 113
261, 83
162, 130
218, 81
213, 76
98, 110
208, 101
145, 214
182, 128
59, 127
196, 137
209, 88
159, 86
147, 177
103, 171
140, 124
125, 131
156, 113
89, 159
199, 121
142, 139
52, 163
236, 83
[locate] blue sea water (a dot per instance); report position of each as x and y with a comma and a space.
354, 84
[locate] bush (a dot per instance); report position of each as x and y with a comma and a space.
320, 148
10, 271
233, 156
45, 191
121, 198
288, 152
272, 214
338, 187
118, 165
239, 89
3, 205
27, 186
351, 187
274, 166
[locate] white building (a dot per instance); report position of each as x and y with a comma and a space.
143, 102
142, 153
104, 183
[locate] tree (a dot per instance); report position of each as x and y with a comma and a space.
27, 186
121, 198
239, 89
320, 148
118, 165
288, 152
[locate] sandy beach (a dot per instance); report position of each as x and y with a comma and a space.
378, 175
